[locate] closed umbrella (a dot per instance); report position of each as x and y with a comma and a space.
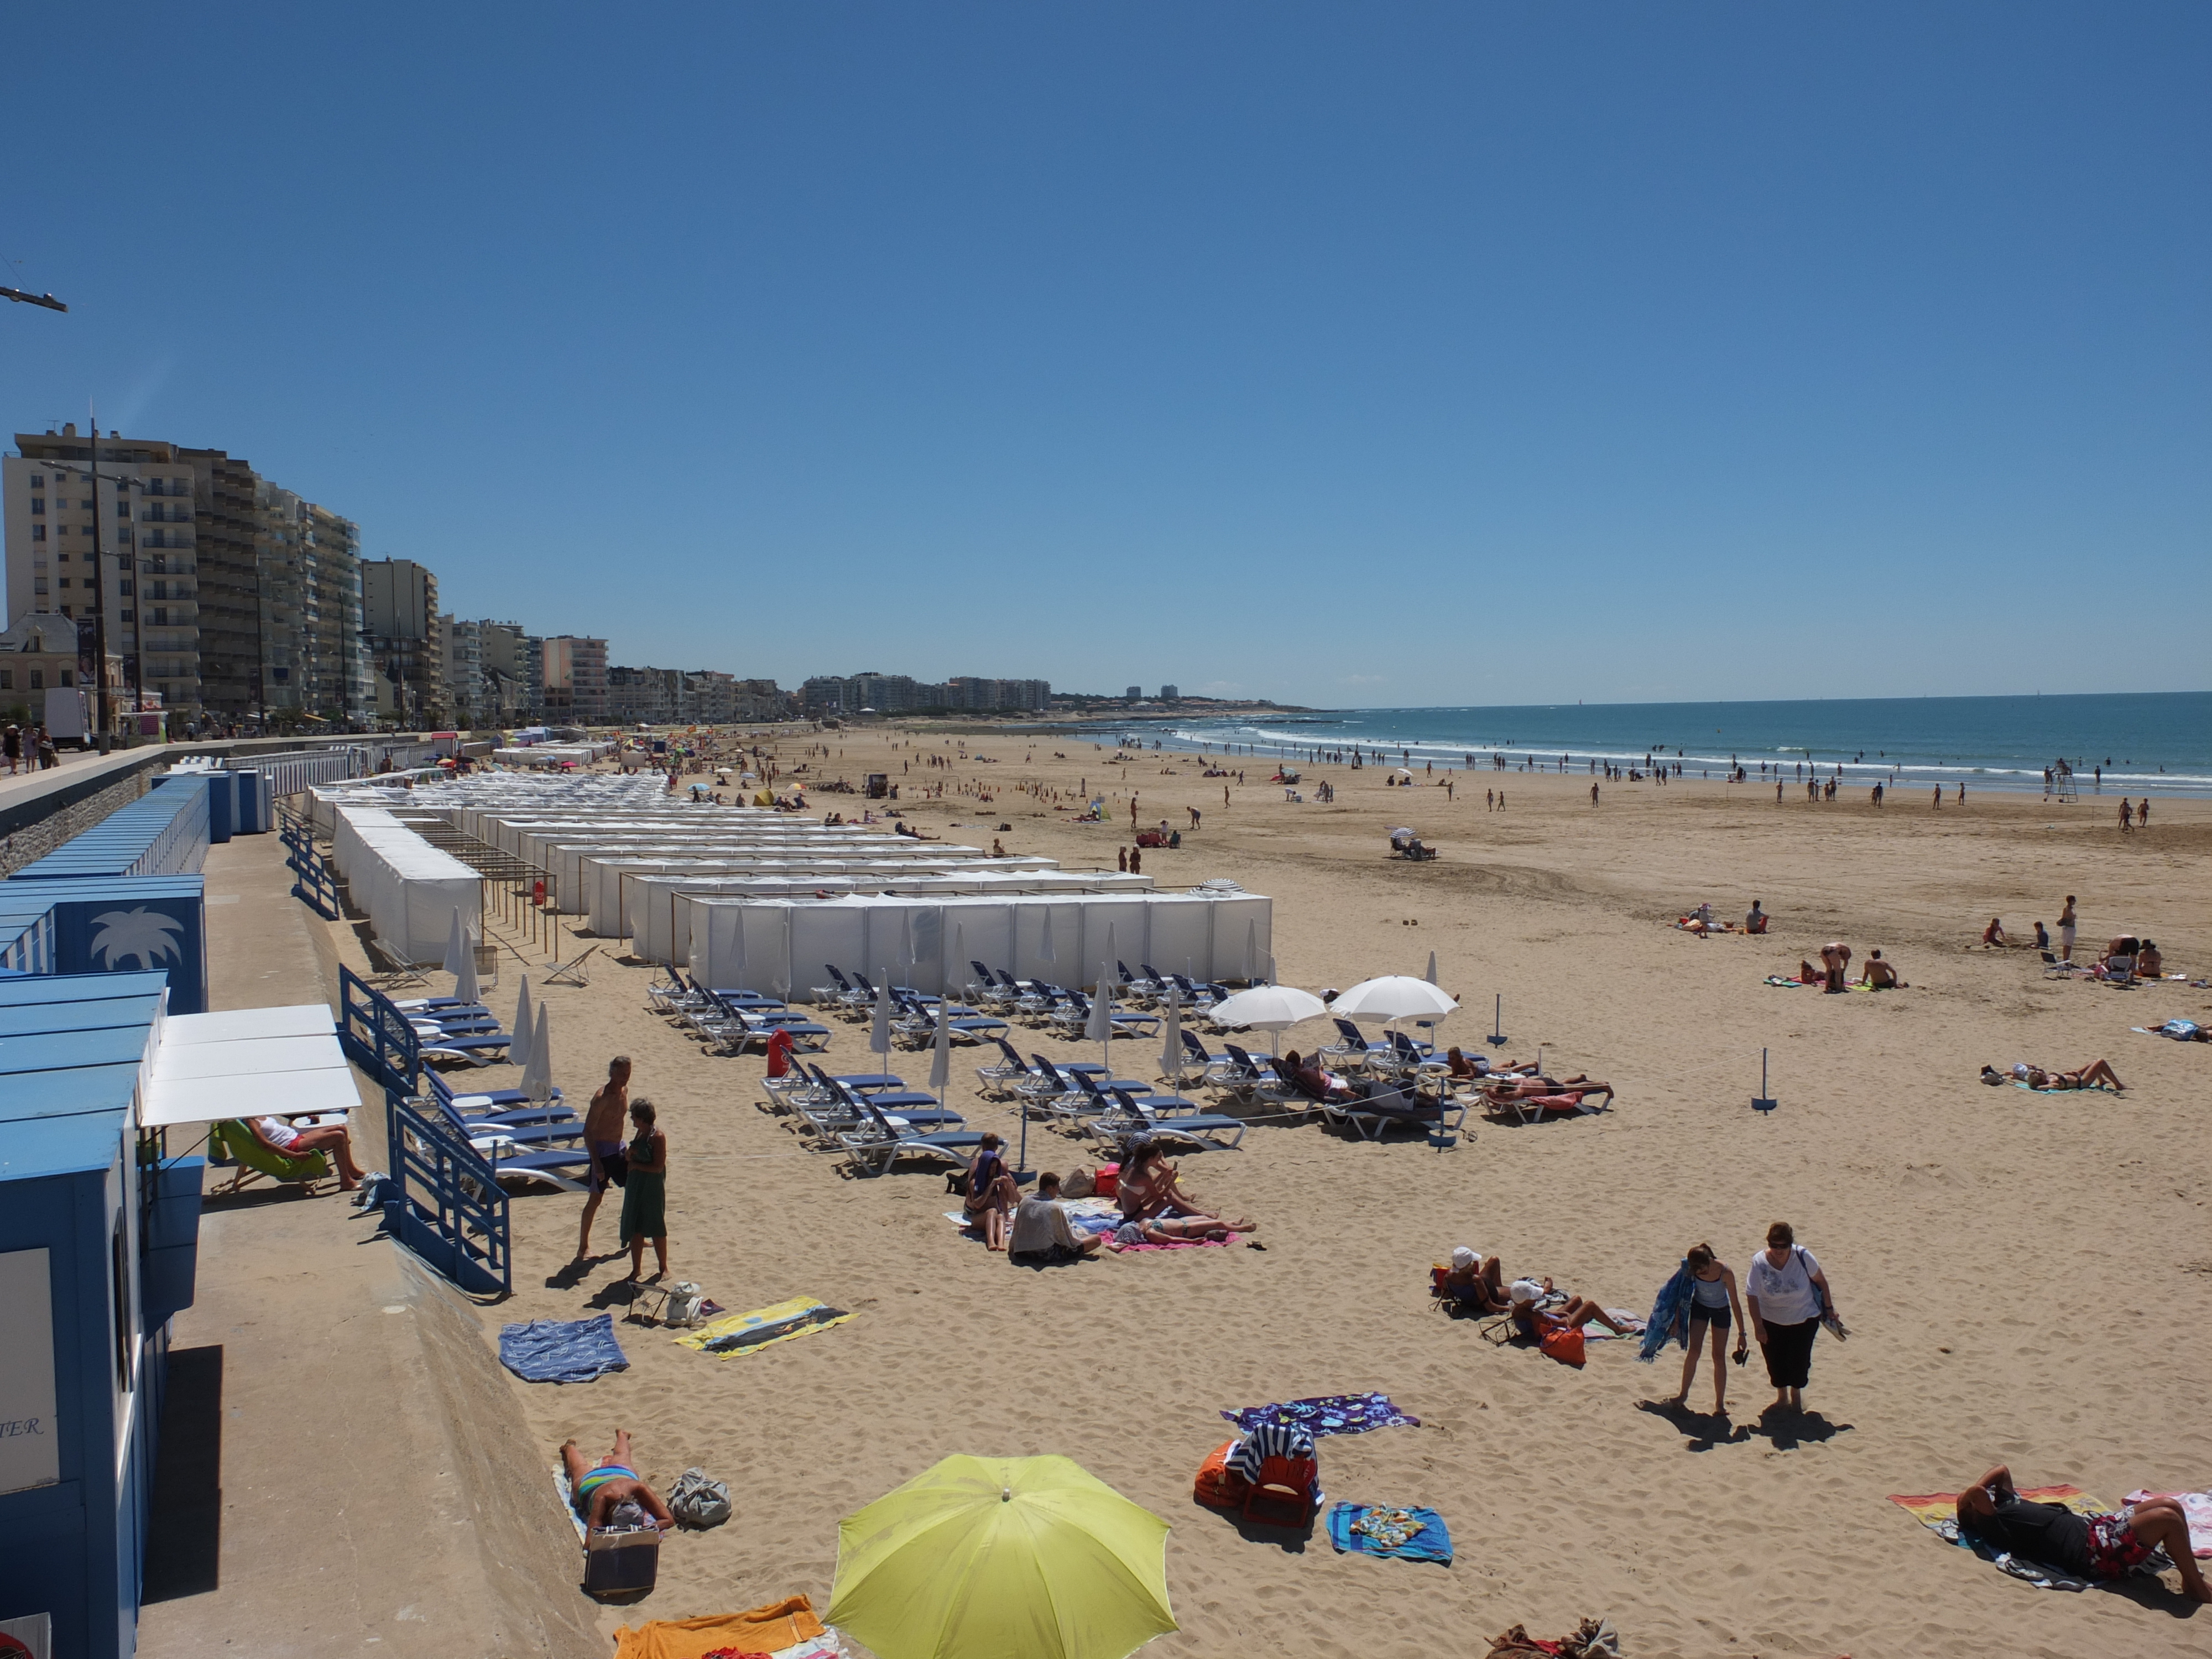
518, 1048
879, 1033
1100, 1028
1171, 1050
461, 959
940, 1059
1018, 1557
960, 957
1045, 948
739, 983
537, 1079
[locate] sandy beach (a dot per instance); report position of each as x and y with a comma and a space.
2026, 1277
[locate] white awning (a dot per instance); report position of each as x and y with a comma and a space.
248, 1062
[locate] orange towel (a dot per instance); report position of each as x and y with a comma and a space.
770, 1629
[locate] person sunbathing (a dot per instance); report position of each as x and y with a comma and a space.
1530, 1088
2105, 1547
1151, 1189
1463, 1067
1532, 1321
1310, 1079
1477, 1281
990, 1194
281, 1138
2087, 1076
609, 1494
1880, 975
1171, 1230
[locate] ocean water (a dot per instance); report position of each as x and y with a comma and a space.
2144, 743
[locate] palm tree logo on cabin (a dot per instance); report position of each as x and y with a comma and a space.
142, 934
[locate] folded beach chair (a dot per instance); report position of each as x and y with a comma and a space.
255, 1162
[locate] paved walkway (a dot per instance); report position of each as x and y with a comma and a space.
340, 1464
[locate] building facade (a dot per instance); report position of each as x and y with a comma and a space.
405, 637
224, 594
574, 671
894, 694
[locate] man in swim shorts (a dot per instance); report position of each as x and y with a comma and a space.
603, 1138
2100, 1546
609, 1494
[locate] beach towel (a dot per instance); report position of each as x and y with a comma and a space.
1413, 1534
1939, 1513
568, 1501
1269, 1440
749, 1333
561, 1351
1333, 1413
2086, 1089
1785, 984
780, 1627
2196, 1507
1177, 1244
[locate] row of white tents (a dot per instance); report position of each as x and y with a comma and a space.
755, 899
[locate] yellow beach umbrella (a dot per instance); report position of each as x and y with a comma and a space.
1002, 1558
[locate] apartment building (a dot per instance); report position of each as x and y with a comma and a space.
892, 693
575, 674
222, 593
405, 637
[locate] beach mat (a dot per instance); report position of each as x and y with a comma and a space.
561, 1351
569, 1502
749, 1333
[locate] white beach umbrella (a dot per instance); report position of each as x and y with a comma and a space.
960, 957
1431, 975
940, 1059
517, 1049
537, 1077
1270, 1008
1044, 949
461, 959
879, 1033
1394, 996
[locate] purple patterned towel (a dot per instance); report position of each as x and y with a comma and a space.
1335, 1414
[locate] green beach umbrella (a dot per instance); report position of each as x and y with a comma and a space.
987, 1558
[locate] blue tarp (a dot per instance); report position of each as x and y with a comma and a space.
561, 1351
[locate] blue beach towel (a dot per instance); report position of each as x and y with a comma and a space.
1409, 1535
1333, 1413
558, 1351
1671, 1310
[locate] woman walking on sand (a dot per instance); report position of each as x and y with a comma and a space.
1789, 1296
1713, 1306
2066, 931
645, 1199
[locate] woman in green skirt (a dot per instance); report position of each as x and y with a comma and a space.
644, 1211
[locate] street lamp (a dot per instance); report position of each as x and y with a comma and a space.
21, 298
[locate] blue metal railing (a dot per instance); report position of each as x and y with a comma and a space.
449, 1207
376, 1034
313, 884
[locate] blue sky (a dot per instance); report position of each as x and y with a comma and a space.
1429, 354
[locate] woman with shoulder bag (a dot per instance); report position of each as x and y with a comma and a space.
1789, 1296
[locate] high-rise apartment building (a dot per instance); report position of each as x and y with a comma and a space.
405, 637
225, 594
575, 678
1170, 693
892, 693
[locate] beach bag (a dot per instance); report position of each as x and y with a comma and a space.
683, 1303
1108, 1180
1080, 1183
1218, 1486
699, 1500
1565, 1344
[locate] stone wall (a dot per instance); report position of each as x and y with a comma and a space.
35, 840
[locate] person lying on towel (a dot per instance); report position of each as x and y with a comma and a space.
1532, 1321
609, 1494
1532, 1088
2101, 1546
2043, 1082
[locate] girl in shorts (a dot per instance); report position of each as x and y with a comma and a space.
1713, 1307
